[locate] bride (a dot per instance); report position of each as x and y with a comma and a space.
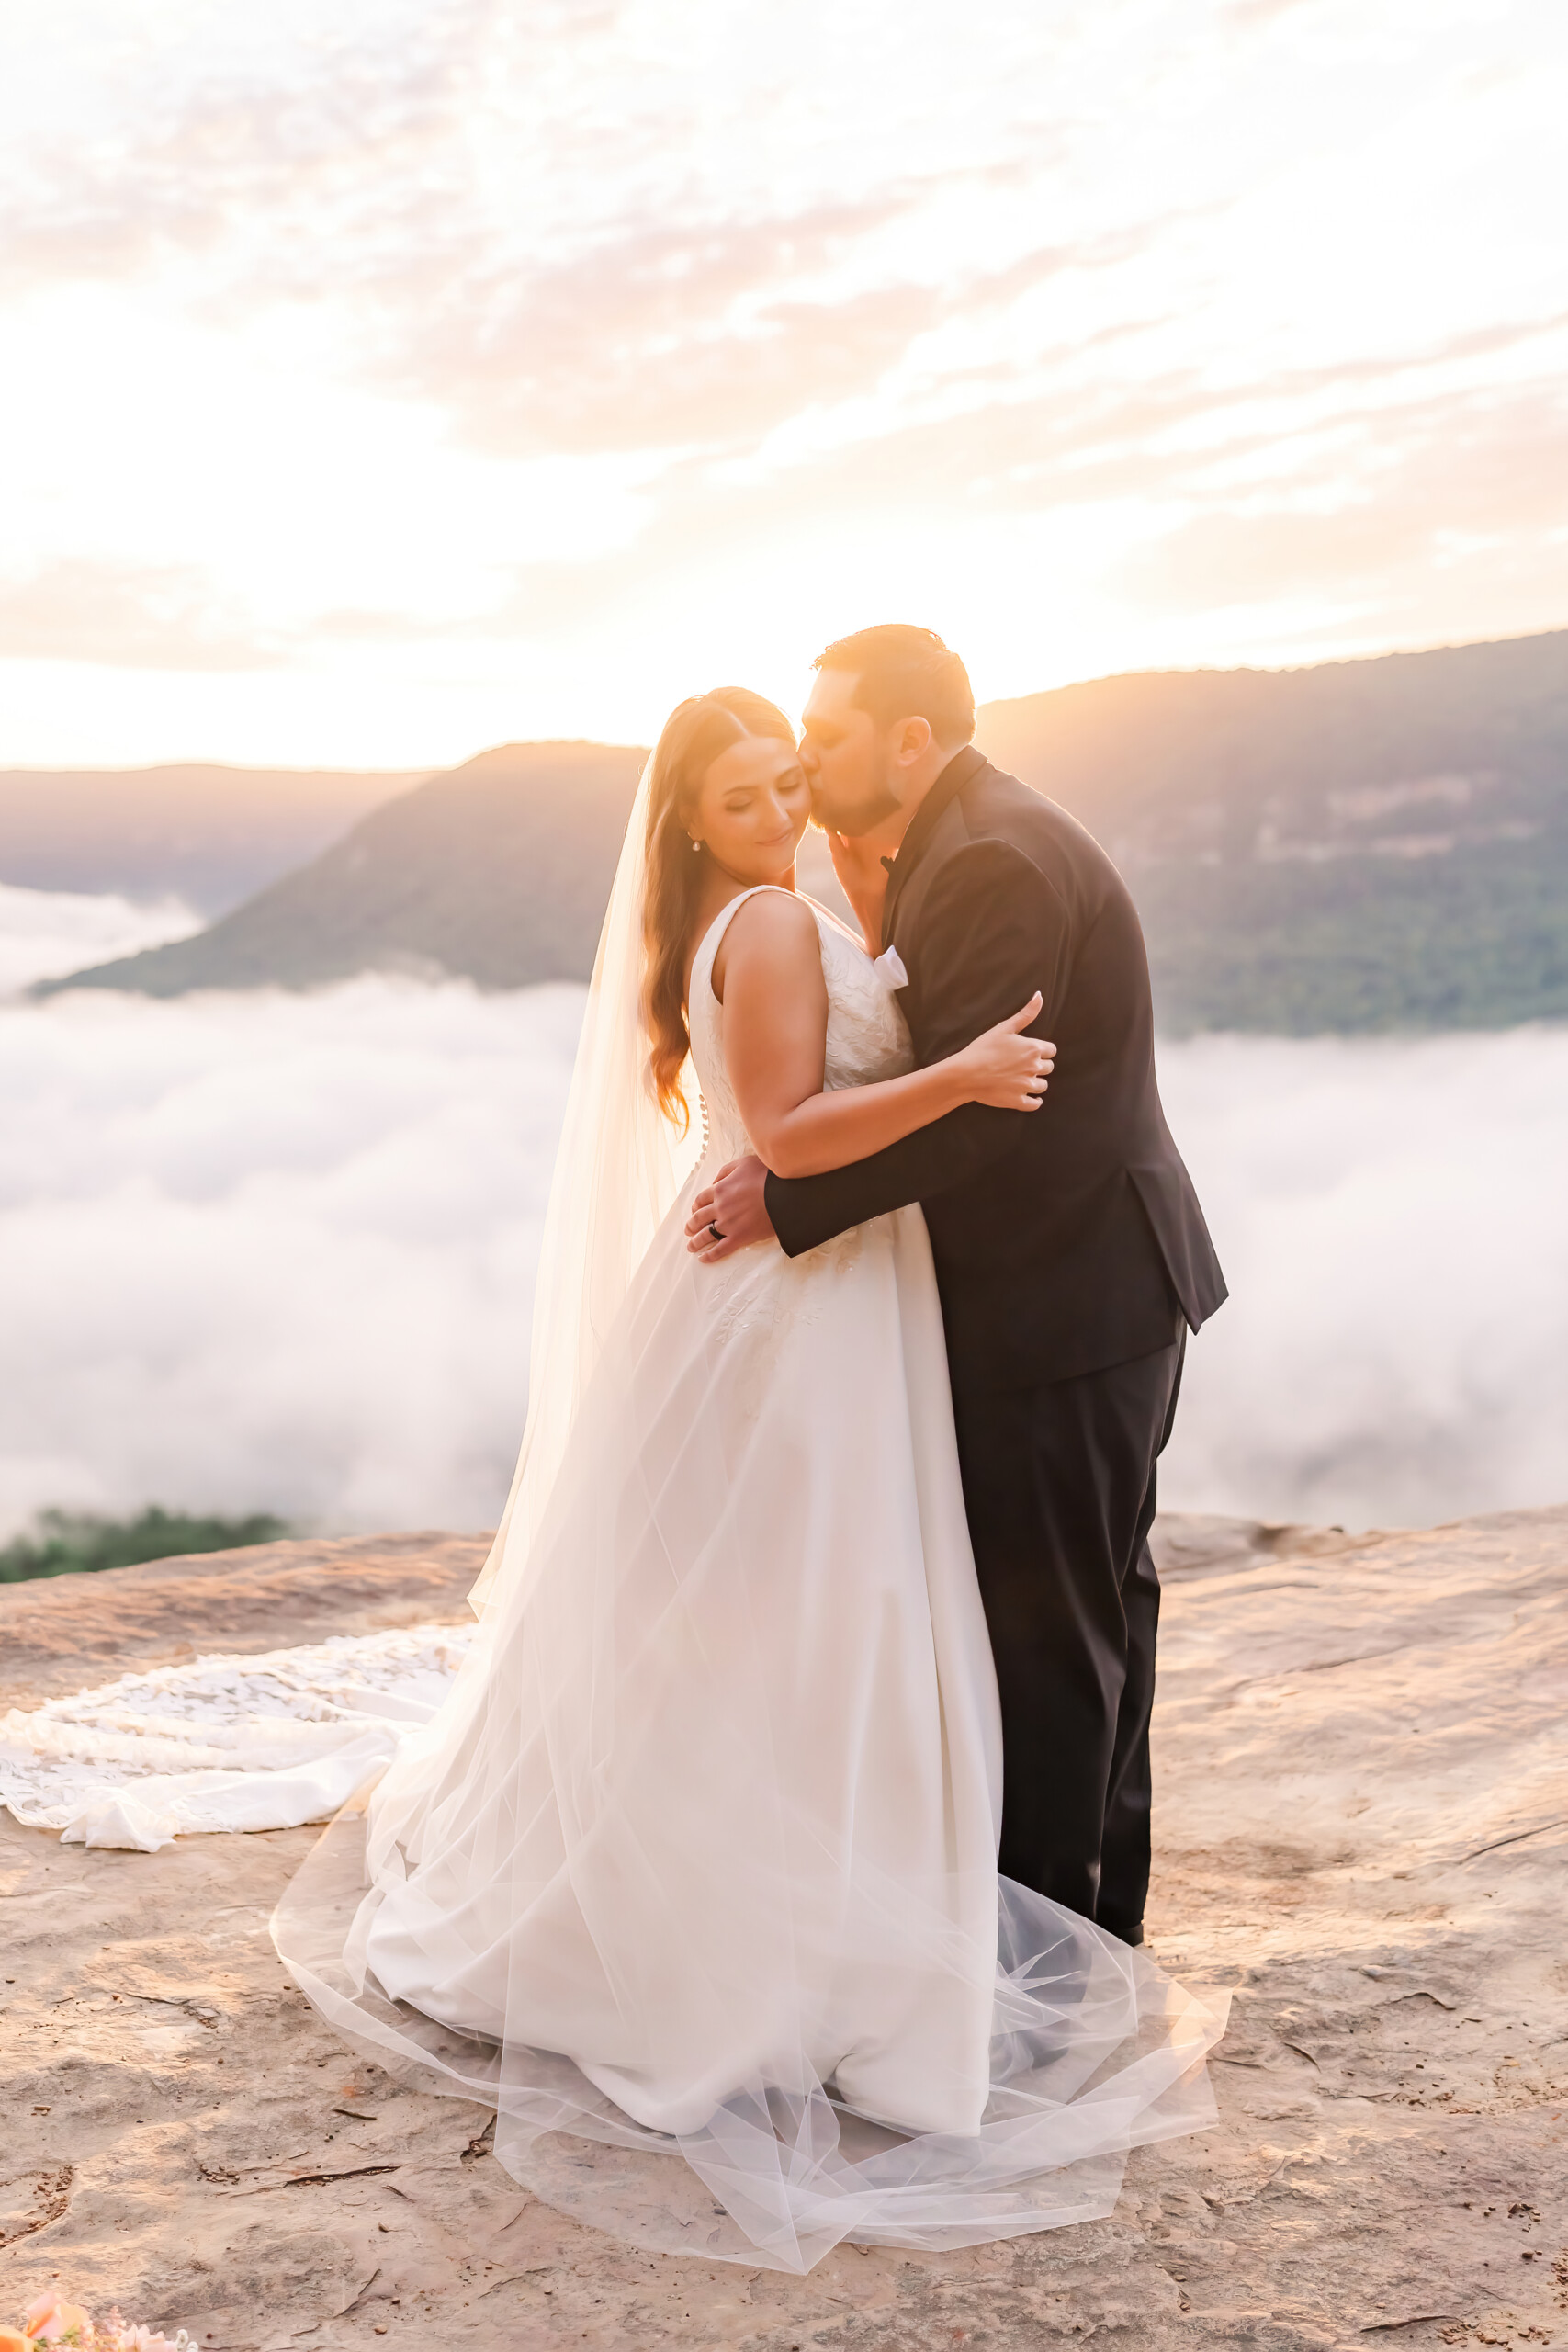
693, 1876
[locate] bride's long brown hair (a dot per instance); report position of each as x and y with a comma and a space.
694, 734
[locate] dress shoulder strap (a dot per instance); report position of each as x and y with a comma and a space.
702, 963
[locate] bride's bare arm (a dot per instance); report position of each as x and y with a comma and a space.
775, 1030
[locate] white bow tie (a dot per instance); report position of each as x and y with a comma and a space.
889, 969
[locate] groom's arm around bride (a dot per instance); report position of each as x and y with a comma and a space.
1071, 1252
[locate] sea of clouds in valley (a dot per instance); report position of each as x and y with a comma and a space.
45, 933
276, 1252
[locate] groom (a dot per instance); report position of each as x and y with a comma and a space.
1070, 1250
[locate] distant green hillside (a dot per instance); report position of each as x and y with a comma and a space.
1474, 942
209, 835
498, 871
1361, 846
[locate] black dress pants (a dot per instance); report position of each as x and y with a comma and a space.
1059, 1487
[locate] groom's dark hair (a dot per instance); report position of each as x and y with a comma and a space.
905, 672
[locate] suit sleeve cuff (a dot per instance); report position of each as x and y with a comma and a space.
780, 1197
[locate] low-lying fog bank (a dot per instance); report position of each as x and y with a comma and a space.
1389, 1213
46, 933
273, 1252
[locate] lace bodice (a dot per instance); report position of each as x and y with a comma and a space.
866, 1036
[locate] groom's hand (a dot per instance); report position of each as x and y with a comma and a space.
733, 1203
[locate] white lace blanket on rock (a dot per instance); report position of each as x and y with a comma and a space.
264, 1742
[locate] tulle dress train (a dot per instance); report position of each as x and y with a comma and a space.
693, 1875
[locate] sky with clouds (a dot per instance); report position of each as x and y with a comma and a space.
384, 381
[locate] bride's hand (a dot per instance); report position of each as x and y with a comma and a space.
1008, 1071
863, 878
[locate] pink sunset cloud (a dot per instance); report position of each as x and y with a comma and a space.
566, 337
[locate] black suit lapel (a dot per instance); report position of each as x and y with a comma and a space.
958, 772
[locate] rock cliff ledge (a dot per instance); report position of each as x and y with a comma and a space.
1361, 1826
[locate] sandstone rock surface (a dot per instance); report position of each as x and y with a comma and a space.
1362, 1826
62, 1634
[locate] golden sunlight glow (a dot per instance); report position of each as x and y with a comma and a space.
377, 392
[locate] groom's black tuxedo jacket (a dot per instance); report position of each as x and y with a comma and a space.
1065, 1239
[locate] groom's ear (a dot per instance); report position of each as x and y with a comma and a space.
911, 739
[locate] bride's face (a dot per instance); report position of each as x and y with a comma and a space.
752, 810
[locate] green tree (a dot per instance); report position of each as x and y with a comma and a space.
71, 1542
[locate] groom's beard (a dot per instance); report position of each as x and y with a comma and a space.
854, 817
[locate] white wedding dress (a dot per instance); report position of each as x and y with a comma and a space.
684, 1857
693, 1875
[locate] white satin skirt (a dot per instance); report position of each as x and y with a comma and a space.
693, 1875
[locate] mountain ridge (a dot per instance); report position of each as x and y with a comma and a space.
206, 831
429, 884
1360, 846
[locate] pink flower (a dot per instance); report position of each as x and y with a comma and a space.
49, 2321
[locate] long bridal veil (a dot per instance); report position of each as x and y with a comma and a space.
618, 1168
619, 1835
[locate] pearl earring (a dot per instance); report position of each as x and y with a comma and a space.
696, 849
